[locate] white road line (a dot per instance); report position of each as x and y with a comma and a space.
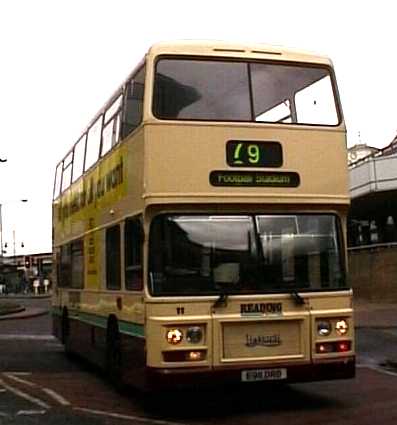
57, 397
377, 369
11, 376
20, 373
21, 394
27, 337
51, 393
30, 412
127, 417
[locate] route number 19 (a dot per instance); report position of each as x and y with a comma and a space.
253, 154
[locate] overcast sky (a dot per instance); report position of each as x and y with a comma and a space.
61, 60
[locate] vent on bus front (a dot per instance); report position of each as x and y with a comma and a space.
260, 52
265, 52
230, 50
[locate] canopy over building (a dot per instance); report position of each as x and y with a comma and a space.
373, 189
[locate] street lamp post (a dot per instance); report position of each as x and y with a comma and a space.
1, 235
1, 231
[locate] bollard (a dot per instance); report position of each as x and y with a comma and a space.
36, 285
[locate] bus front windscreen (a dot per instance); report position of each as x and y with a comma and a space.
216, 90
244, 254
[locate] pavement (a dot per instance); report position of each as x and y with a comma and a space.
26, 312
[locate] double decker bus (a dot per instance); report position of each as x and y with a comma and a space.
200, 222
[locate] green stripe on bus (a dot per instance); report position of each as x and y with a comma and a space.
127, 328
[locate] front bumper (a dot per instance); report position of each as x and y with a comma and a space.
192, 377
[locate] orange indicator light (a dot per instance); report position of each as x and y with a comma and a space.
195, 355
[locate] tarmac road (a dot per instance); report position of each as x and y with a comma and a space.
40, 385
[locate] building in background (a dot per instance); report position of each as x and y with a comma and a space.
26, 273
372, 223
373, 190
359, 152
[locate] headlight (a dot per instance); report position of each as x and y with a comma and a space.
324, 328
194, 334
174, 336
342, 327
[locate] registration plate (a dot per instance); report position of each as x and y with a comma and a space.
255, 375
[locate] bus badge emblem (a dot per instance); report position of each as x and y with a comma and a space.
263, 340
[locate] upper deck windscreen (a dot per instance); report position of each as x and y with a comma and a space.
216, 90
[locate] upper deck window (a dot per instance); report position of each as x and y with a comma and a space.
211, 90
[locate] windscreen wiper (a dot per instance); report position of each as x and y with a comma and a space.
221, 300
299, 300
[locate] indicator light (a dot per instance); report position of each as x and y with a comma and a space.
195, 355
184, 356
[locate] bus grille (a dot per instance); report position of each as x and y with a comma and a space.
262, 339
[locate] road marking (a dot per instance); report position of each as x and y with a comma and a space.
377, 369
30, 412
21, 394
27, 337
127, 417
12, 376
51, 393
57, 397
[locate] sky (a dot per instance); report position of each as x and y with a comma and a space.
61, 60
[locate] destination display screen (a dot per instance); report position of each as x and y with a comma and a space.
254, 154
254, 179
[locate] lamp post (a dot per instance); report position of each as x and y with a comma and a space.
1, 230
1, 235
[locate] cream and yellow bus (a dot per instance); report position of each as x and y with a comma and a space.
200, 222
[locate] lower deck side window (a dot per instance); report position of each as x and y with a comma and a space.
113, 263
133, 245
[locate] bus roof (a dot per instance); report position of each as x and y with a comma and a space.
227, 49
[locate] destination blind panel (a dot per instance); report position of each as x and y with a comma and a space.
254, 179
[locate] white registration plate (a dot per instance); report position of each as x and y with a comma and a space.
263, 375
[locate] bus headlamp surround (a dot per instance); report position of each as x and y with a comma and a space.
174, 336
324, 328
194, 334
